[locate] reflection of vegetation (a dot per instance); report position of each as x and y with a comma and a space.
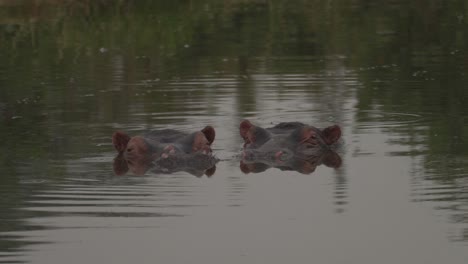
64, 64
416, 64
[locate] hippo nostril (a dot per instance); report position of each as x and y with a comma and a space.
129, 150
279, 156
282, 156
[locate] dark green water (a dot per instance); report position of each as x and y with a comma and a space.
392, 74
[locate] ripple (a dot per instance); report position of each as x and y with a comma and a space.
443, 184
372, 119
93, 203
93, 200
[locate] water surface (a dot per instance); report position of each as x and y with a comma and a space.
392, 75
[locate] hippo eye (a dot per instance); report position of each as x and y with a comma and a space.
129, 149
311, 143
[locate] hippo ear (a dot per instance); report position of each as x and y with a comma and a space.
120, 141
331, 134
200, 142
244, 128
209, 133
253, 134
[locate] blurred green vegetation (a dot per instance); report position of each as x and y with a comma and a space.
410, 56
65, 46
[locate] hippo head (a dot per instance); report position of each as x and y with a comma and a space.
138, 153
195, 143
289, 145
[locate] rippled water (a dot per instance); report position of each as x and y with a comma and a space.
400, 195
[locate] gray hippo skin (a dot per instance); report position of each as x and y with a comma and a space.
288, 146
165, 151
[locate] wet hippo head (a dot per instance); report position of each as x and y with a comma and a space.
132, 148
195, 143
136, 154
291, 144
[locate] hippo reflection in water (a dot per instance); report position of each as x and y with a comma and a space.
165, 151
288, 146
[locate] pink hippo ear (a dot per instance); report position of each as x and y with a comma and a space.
254, 136
331, 134
200, 143
244, 128
120, 141
209, 133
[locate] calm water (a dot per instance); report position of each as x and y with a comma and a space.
392, 75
